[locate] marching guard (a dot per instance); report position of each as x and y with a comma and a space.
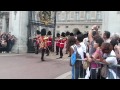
49, 43
62, 44
36, 42
57, 40
43, 43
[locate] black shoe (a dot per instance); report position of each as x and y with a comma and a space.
57, 54
47, 55
66, 53
42, 60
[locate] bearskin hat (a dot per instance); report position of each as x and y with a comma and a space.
85, 35
71, 34
67, 33
76, 31
43, 32
49, 33
38, 32
63, 34
58, 35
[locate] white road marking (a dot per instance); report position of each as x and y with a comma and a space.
63, 76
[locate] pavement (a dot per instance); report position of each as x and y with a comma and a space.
29, 66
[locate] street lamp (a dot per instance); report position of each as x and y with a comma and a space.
55, 12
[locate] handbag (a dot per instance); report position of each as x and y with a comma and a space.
104, 71
86, 64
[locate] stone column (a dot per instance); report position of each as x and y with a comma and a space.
4, 25
111, 21
18, 26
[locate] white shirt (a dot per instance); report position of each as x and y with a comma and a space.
80, 49
83, 46
107, 41
85, 40
112, 60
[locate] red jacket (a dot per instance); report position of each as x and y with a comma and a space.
57, 42
43, 42
62, 43
49, 42
37, 39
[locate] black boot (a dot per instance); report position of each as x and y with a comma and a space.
42, 59
47, 55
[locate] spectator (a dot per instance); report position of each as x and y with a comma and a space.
106, 37
109, 59
94, 74
77, 68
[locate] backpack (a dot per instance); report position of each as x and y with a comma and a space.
74, 56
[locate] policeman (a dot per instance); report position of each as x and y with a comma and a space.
49, 43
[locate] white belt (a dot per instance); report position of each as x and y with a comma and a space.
48, 41
61, 43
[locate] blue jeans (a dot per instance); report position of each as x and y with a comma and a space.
78, 71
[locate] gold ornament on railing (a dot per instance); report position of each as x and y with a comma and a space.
45, 17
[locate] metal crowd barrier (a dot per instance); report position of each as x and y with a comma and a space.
109, 71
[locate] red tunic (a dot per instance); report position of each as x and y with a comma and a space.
62, 43
49, 42
57, 42
43, 42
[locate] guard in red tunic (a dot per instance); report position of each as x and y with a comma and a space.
36, 42
57, 40
43, 43
49, 43
62, 44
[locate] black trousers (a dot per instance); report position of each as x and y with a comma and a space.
57, 49
37, 49
61, 52
49, 48
95, 74
42, 53
77, 70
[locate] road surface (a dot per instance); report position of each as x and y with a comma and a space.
29, 66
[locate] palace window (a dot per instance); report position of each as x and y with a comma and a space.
87, 15
99, 15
